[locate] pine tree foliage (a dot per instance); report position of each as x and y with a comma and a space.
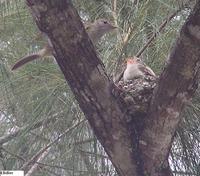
37, 108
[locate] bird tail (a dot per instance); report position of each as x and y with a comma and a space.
43, 52
25, 60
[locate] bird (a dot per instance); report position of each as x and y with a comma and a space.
95, 31
136, 69
98, 29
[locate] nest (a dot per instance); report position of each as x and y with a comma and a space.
135, 95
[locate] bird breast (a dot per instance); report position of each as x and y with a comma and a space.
132, 72
95, 34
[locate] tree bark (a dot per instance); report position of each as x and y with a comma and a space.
108, 116
87, 78
176, 86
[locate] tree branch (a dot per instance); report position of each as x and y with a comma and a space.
91, 86
86, 76
176, 86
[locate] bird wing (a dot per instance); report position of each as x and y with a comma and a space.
146, 70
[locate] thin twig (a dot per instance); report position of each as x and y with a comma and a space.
34, 159
12, 154
19, 131
162, 26
91, 153
35, 165
114, 11
39, 163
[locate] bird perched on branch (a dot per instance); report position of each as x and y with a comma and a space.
135, 69
95, 31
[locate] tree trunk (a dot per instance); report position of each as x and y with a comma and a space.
134, 149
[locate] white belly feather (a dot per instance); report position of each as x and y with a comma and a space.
132, 72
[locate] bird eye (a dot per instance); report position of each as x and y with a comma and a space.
105, 22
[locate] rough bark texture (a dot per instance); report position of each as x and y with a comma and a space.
137, 144
175, 88
86, 76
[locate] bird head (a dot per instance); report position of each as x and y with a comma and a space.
104, 25
101, 27
132, 60
98, 28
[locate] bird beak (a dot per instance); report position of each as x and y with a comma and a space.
114, 27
